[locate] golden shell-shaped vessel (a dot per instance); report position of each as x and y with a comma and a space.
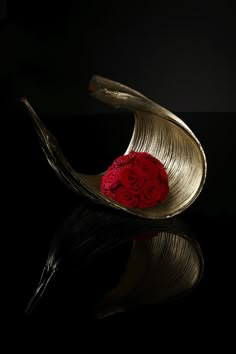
156, 131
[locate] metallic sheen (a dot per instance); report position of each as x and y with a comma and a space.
156, 131
165, 267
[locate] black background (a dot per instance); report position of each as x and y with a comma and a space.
183, 58
181, 55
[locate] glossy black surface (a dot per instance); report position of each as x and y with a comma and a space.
35, 203
181, 56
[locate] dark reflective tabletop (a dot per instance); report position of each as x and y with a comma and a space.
35, 203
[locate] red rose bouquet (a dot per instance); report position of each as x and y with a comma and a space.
136, 180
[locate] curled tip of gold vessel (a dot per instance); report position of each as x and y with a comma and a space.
156, 131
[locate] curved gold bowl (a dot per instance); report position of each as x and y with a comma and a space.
156, 131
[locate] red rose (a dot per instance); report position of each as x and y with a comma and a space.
130, 177
109, 194
121, 161
126, 197
110, 180
150, 195
147, 166
137, 179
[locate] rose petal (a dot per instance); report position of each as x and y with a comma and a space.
130, 177
126, 197
110, 180
137, 179
150, 194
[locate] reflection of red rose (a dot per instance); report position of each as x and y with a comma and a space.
126, 197
146, 236
137, 179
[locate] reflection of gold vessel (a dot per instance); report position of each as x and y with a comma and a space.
159, 269
156, 131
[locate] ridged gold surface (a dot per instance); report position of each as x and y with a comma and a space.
156, 131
